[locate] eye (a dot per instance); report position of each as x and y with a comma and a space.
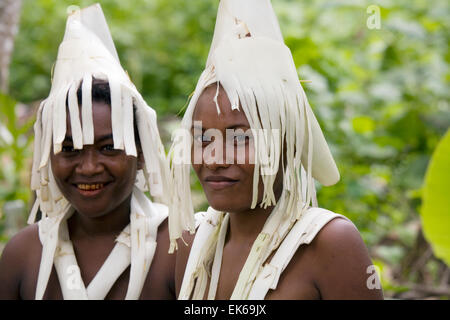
68, 149
109, 149
241, 139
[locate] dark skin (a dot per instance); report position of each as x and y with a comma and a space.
99, 218
332, 266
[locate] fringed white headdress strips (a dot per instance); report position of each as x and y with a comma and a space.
249, 59
87, 52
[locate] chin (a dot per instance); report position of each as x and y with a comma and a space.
91, 212
220, 208
225, 205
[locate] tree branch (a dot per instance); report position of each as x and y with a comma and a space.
9, 20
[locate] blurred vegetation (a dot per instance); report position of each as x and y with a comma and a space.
381, 97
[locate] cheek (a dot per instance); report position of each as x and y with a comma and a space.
125, 168
250, 171
249, 153
250, 158
196, 154
197, 168
61, 168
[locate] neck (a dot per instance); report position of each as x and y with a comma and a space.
245, 226
110, 224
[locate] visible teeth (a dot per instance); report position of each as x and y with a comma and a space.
90, 187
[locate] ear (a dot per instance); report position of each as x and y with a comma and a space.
140, 157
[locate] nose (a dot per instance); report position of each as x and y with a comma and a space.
215, 156
89, 164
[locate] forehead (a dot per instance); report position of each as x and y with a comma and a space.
206, 110
101, 116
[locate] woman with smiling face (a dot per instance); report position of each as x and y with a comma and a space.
99, 236
98, 171
262, 237
98, 181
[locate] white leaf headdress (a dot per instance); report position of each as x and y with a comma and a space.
87, 52
249, 59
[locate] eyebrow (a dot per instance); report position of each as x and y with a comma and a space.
235, 126
101, 139
238, 126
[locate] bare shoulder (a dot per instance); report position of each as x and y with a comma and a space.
333, 266
163, 245
338, 234
183, 251
163, 234
159, 283
20, 255
22, 244
183, 244
342, 262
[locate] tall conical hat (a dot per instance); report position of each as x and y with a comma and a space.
265, 58
249, 59
92, 18
87, 52
241, 17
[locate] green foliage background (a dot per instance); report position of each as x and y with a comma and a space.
381, 96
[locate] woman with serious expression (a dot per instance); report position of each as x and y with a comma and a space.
227, 183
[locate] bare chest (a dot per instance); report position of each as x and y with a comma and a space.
295, 283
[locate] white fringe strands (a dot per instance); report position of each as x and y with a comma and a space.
249, 59
86, 110
87, 53
135, 245
50, 132
277, 113
257, 101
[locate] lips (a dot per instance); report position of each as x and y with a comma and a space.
90, 189
219, 182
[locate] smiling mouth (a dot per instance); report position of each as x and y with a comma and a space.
90, 189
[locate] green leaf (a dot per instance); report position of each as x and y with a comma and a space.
436, 200
363, 124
